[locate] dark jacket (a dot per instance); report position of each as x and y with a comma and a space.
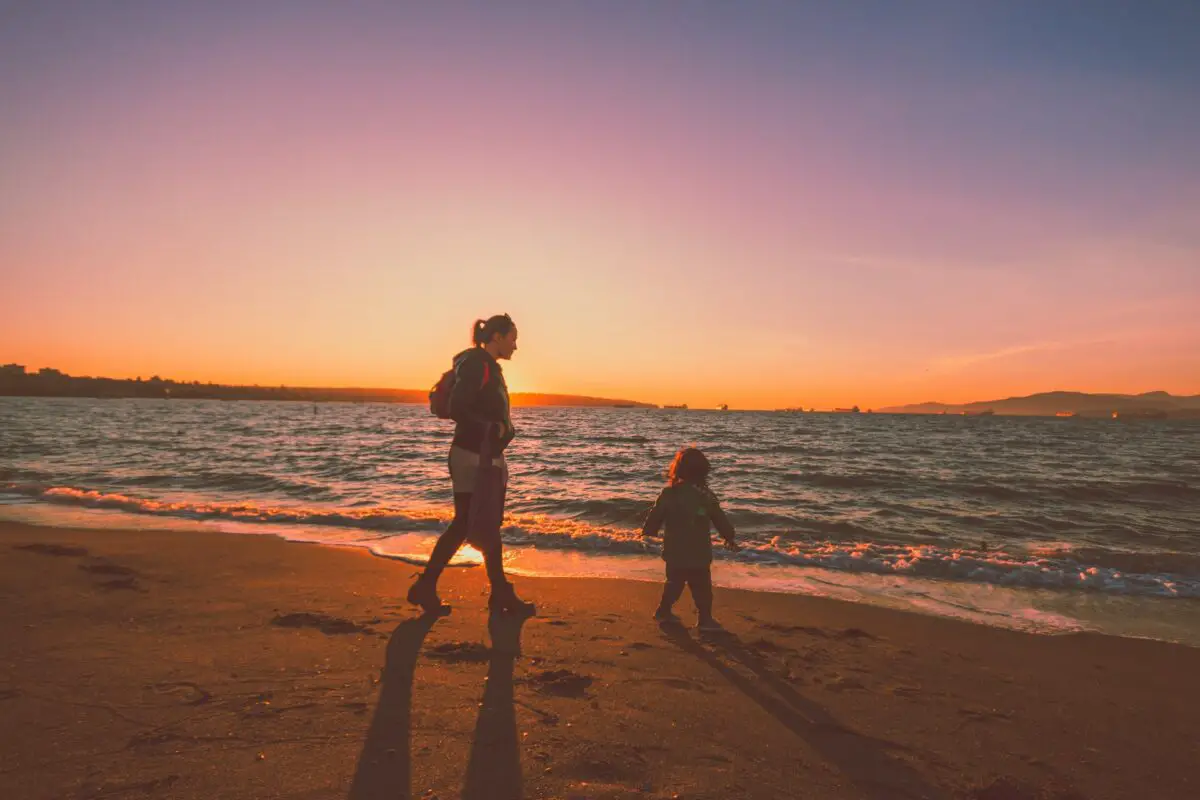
480, 396
687, 511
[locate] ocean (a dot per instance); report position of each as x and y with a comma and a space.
1047, 525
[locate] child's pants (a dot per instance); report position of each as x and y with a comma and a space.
698, 579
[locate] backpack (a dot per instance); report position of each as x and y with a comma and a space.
439, 395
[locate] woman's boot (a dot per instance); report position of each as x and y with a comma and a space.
505, 599
423, 593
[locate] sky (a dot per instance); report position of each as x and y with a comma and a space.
765, 204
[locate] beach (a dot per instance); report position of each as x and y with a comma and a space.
177, 664
898, 305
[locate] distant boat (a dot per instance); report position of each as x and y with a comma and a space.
851, 410
1149, 413
1067, 414
723, 407
681, 407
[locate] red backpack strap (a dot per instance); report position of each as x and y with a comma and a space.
486, 374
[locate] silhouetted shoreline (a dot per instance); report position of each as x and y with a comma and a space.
15, 381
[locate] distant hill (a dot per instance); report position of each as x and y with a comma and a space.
1048, 404
48, 382
534, 399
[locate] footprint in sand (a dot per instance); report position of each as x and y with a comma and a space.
560, 682
155, 787
768, 646
330, 626
854, 633
810, 630
842, 683
984, 715
716, 759
99, 567
821, 633
461, 652
678, 683
611, 763
53, 550
1006, 788
128, 583
125, 577
187, 692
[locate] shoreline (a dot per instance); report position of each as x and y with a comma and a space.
1031, 609
197, 665
542, 400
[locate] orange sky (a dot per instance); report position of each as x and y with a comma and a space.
675, 206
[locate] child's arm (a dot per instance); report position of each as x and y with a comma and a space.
654, 521
722, 524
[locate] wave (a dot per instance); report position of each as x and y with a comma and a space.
634, 439
375, 518
1126, 491
614, 509
980, 566
1110, 492
1166, 575
195, 480
826, 480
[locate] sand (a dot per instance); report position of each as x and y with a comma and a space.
203, 665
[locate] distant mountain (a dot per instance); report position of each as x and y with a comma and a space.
48, 382
1048, 404
534, 399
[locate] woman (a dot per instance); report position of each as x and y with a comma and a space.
479, 407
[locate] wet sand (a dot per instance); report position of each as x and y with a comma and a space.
202, 665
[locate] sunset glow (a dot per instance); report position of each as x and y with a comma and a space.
701, 204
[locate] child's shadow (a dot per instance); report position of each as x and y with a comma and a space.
385, 767
494, 768
863, 759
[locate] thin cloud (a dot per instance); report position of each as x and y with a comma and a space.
1157, 333
952, 363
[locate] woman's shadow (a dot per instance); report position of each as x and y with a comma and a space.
385, 765
494, 768
865, 760
384, 768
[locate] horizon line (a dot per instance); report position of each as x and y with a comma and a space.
195, 382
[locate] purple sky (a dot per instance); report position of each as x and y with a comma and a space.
760, 204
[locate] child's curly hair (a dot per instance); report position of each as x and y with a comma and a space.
690, 466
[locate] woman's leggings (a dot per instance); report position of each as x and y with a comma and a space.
452, 539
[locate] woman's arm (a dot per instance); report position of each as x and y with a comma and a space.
468, 383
